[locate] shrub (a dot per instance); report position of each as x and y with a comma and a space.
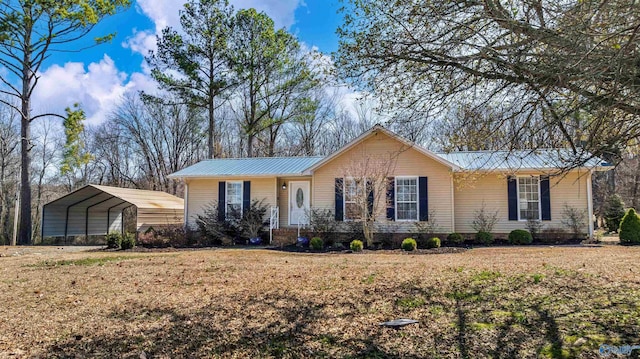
484, 237
613, 213
322, 223
574, 220
520, 236
149, 239
409, 244
356, 245
534, 226
252, 223
316, 243
213, 229
630, 228
483, 220
114, 239
455, 238
128, 241
433, 242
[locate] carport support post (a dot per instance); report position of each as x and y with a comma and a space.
66, 219
86, 218
109, 214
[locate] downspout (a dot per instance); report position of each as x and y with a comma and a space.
186, 205
590, 203
453, 204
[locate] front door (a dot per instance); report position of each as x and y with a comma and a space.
299, 202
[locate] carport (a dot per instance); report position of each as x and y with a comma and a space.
97, 210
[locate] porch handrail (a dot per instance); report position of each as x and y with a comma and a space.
274, 221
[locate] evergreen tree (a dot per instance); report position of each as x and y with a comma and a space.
614, 212
630, 228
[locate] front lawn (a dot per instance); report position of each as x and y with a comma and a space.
550, 302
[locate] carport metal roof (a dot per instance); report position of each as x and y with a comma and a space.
101, 201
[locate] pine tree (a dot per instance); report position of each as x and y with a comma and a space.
614, 212
630, 228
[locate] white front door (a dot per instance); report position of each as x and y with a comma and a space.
298, 202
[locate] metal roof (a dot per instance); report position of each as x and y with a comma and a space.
142, 199
248, 167
97, 210
539, 159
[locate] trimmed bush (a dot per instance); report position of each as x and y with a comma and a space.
520, 236
128, 241
630, 228
409, 244
484, 237
316, 243
455, 238
356, 245
114, 239
433, 242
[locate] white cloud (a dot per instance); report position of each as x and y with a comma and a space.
167, 13
97, 88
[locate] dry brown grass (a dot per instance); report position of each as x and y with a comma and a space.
490, 302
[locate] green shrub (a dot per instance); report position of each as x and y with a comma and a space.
630, 228
455, 238
114, 239
520, 236
316, 243
433, 242
356, 245
484, 237
128, 241
409, 244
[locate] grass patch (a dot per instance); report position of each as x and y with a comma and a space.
254, 303
410, 302
485, 276
89, 261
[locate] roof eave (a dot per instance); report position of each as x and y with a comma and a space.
269, 175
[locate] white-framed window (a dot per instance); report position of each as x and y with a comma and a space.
529, 198
234, 199
406, 198
353, 190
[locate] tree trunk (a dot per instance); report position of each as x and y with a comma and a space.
211, 143
24, 234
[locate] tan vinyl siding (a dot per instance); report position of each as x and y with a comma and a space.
204, 192
492, 189
409, 162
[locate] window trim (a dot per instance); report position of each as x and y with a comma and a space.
344, 200
226, 196
520, 219
395, 198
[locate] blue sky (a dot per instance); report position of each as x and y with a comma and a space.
99, 76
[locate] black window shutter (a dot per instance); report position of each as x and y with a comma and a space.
545, 198
339, 209
512, 188
222, 200
423, 204
369, 189
246, 196
391, 198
